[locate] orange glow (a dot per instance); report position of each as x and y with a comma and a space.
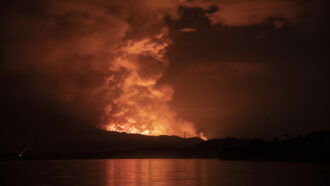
138, 103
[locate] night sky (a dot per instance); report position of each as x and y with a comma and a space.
257, 68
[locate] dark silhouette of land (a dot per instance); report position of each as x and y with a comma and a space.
313, 147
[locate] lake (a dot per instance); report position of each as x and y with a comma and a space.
161, 172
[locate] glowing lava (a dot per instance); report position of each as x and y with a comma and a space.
140, 105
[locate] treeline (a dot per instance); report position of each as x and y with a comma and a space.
312, 147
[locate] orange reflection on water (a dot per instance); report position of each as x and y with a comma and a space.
155, 172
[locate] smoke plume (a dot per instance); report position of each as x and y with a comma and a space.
99, 61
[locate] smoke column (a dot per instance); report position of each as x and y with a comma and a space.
94, 61
139, 105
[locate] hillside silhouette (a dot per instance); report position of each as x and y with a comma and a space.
104, 144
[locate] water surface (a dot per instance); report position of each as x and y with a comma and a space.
161, 172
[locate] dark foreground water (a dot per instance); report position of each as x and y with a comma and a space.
161, 172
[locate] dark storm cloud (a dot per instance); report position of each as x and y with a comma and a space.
252, 78
249, 12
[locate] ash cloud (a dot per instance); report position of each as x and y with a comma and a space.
58, 57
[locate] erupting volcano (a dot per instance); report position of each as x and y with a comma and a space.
139, 104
